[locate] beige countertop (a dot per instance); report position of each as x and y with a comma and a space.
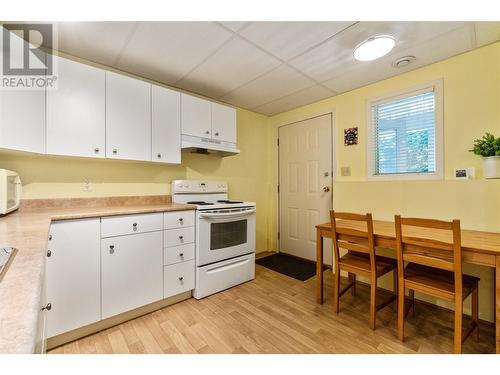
27, 230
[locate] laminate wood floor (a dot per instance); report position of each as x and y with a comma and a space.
278, 314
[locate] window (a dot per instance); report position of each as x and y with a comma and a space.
405, 133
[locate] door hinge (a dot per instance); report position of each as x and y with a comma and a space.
278, 188
278, 236
278, 142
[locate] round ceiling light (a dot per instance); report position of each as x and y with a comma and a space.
374, 48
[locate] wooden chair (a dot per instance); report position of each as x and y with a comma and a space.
434, 268
360, 259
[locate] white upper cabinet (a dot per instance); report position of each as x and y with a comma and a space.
196, 116
223, 123
166, 125
22, 112
22, 120
128, 118
76, 111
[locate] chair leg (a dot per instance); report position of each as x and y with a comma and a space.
395, 285
412, 302
458, 324
352, 278
373, 303
336, 291
475, 311
401, 309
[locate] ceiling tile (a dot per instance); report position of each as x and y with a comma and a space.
233, 65
487, 32
100, 42
295, 100
234, 25
270, 86
288, 39
440, 48
336, 55
166, 51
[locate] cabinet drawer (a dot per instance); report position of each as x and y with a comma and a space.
177, 254
178, 219
176, 237
178, 278
130, 224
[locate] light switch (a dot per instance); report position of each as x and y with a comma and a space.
345, 171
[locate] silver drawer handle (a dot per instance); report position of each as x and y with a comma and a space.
134, 226
181, 255
181, 219
96, 150
181, 238
181, 279
115, 151
111, 249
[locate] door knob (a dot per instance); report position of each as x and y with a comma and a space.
326, 189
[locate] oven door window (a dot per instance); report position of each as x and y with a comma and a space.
224, 235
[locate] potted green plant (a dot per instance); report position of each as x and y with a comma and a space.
489, 148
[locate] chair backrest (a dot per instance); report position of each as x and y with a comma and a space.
351, 237
426, 250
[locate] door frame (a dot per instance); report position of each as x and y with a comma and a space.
292, 121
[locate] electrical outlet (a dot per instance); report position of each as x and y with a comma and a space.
87, 185
345, 171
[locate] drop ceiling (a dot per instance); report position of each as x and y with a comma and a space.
266, 67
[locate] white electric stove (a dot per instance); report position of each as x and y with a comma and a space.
225, 235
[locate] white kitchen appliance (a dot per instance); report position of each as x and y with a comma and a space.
10, 191
225, 235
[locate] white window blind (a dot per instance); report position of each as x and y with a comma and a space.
404, 134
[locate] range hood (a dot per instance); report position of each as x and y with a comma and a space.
208, 146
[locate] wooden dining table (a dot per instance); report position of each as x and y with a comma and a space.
481, 248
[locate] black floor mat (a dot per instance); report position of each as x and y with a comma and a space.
287, 265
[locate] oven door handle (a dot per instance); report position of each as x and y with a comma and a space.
228, 214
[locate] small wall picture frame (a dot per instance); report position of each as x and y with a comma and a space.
464, 173
351, 136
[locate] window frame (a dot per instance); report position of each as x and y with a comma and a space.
437, 87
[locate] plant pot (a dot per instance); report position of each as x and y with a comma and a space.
491, 167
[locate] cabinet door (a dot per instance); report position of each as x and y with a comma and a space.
166, 125
22, 114
76, 111
223, 123
132, 272
196, 116
128, 118
73, 275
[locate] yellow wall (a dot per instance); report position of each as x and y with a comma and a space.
471, 108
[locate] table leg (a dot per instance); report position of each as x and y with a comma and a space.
319, 266
497, 302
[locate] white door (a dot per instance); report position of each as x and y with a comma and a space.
22, 112
73, 275
132, 272
166, 125
305, 184
76, 111
128, 118
196, 116
223, 123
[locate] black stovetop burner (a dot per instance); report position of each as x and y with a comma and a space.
228, 201
201, 203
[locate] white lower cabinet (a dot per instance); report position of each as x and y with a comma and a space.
73, 275
178, 278
132, 272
